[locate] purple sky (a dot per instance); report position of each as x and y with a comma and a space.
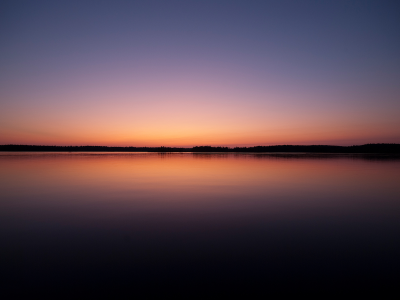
184, 73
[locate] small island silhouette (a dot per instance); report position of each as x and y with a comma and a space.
366, 148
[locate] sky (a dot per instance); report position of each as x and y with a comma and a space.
186, 73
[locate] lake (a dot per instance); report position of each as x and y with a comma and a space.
100, 220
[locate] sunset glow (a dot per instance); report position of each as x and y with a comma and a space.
220, 73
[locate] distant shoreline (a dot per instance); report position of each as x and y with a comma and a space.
367, 148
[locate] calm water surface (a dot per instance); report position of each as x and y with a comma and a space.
99, 219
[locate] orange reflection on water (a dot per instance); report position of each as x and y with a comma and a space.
196, 178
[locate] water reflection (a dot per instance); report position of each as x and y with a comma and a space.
228, 218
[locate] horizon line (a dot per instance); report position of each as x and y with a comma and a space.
189, 147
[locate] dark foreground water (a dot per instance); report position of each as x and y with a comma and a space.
245, 221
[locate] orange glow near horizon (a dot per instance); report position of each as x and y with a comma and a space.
167, 121
171, 136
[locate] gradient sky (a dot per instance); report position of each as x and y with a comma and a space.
184, 73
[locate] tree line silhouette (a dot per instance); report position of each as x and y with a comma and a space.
367, 148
